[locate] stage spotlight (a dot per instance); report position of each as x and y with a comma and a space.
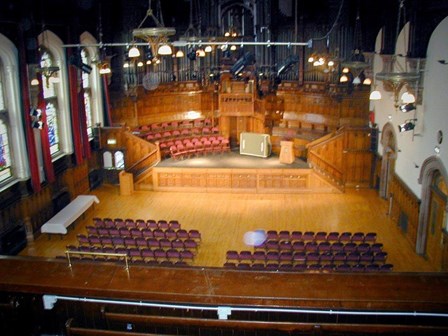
191, 55
286, 64
247, 59
407, 126
405, 108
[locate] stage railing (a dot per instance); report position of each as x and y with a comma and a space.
103, 254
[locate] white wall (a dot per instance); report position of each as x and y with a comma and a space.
432, 113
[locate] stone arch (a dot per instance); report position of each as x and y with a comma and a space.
389, 143
430, 166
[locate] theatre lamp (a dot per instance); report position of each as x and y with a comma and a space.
409, 125
405, 108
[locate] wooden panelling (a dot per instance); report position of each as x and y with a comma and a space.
240, 180
404, 202
347, 153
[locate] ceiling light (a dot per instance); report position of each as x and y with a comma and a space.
407, 98
126, 65
311, 59
179, 53
134, 52
345, 70
375, 95
330, 63
200, 52
34, 82
208, 49
148, 62
367, 81
164, 50
343, 79
140, 64
357, 80
233, 47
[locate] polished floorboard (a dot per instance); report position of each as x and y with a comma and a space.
223, 218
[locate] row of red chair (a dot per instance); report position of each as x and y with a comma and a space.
175, 124
178, 134
305, 258
125, 232
369, 237
137, 223
117, 241
312, 268
314, 246
133, 253
182, 151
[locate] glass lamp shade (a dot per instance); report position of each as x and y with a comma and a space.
407, 98
165, 49
208, 49
375, 95
343, 79
134, 52
367, 81
357, 80
179, 53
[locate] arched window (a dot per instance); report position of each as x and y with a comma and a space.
13, 154
51, 100
92, 83
87, 88
55, 92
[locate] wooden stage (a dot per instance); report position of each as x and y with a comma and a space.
236, 173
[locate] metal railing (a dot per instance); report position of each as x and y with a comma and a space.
103, 254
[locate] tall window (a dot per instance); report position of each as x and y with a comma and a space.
49, 87
87, 86
5, 158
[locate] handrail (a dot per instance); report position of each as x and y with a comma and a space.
68, 252
328, 167
332, 166
320, 140
142, 160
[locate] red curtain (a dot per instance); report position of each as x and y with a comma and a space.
76, 120
45, 141
29, 134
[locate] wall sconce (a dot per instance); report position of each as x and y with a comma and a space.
409, 125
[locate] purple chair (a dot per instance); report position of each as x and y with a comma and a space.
376, 247
136, 233
353, 257
103, 231
170, 234
299, 267
366, 257
195, 235
245, 256
147, 254
124, 232
308, 236
230, 265
151, 224
333, 237
314, 268
337, 247
344, 268
259, 257
358, 268
165, 244
173, 255
94, 240
141, 224
243, 266
92, 230
272, 257
82, 239
324, 247
296, 236
313, 257
153, 243
163, 224
106, 241
186, 255
272, 245
285, 245
114, 232
158, 233
372, 268
380, 257
141, 242
339, 257
299, 258
363, 247
285, 257
174, 224
358, 237
370, 237
177, 244
345, 237
232, 255
326, 258
311, 246
386, 268
284, 235
160, 255
182, 234
298, 246
257, 267
190, 244
130, 242
350, 247
135, 254
328, 268
320, 236
147, 233
272, 235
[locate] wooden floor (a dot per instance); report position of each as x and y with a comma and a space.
224, 218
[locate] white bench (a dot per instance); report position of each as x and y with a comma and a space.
64, 218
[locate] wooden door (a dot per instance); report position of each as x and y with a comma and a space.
434, 243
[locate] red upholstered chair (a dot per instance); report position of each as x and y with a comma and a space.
296, 236
178, 244
308, 236
333, 237
245, 256
174, 224
147, 233
173, 255
158, 233
151, 224
147, 254
130, 242
165, 244
136, 233
141, 242
299, 258
284, 235
162, 224
170, 234
182, 234
358, 237
195, 235
345, 237
92, 230
186, 255
370, 237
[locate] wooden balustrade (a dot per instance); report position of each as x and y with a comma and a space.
326, 168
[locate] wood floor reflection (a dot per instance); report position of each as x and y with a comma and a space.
223, 218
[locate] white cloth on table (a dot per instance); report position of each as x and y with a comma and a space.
64, 218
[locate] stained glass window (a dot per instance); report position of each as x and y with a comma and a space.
5, 158
51, 102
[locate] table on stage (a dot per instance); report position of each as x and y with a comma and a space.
64, 218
